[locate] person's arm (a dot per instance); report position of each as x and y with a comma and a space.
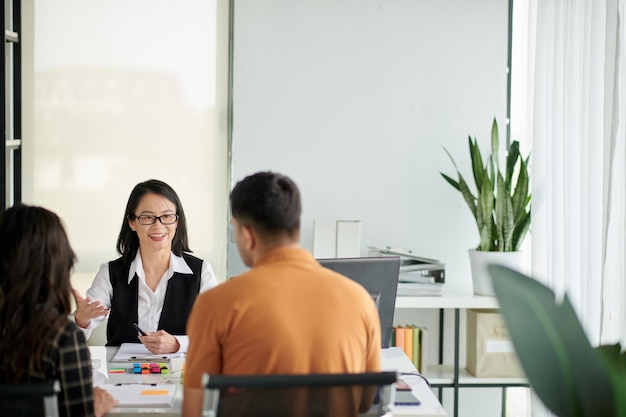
103, 402
192, 402
92, 309
183, 342
160, 342
74, 374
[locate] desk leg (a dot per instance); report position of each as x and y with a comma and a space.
441, 327
456, 360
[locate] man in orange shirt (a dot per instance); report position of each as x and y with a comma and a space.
287, 314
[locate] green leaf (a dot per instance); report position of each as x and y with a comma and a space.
461, 185
495, 142
484, 212
615, 360
505, 219
477, 163
451, 159
451, 181
522, 224
512, 156
469, 198
562, 368
520, 196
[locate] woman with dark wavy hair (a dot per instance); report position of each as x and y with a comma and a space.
155, 281
37, 341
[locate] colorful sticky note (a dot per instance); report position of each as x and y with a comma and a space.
155, 392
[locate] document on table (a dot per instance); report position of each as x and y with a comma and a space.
142, 394
137, 352
99, 364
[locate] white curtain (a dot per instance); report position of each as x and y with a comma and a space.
577, 115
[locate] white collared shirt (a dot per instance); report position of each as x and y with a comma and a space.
149, 303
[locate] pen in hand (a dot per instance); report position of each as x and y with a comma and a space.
141, 332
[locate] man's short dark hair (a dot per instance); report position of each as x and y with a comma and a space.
269, 202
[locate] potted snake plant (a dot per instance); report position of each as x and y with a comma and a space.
500, 204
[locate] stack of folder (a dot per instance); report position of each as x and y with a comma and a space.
414, 341
419, 276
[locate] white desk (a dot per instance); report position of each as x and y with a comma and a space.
393, 359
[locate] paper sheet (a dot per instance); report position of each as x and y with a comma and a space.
137, 352
142, 394
99, 364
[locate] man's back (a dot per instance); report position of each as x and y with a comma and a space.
286, 315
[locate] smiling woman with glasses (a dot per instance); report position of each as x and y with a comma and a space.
155, 281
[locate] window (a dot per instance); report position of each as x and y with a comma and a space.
11, 154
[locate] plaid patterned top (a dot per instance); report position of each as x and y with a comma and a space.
67, 360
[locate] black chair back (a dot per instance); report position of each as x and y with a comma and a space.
311, 395
29, 400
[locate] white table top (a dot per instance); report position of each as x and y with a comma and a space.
393, 359
450, 297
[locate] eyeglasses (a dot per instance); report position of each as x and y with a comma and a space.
166, 219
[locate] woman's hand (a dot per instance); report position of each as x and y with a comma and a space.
103, 402
87, 310
160, 342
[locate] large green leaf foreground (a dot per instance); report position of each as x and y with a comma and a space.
566, 373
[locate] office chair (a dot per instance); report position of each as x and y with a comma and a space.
26, 400
311, 395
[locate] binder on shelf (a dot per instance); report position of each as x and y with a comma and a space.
408, 342
414, 268
399, 332
325, 238
419, 276
416, 345
336, 238
423, 358
348, 238
413, 340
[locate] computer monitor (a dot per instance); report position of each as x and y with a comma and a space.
379, 276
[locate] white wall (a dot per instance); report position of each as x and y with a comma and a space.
355, 100
123, 92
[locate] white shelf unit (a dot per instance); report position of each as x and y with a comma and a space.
450, 375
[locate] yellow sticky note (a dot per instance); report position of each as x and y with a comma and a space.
155, 392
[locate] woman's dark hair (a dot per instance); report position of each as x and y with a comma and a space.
36, 260
128, 242
269, 202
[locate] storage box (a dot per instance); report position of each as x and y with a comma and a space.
490, 352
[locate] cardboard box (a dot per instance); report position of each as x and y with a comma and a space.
490, 352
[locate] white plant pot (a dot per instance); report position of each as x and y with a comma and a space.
481, 279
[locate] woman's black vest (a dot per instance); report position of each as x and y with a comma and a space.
182, 290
